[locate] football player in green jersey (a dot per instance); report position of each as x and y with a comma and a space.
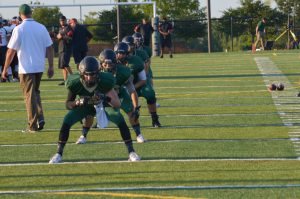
125, 89
138, 52
144, 89
139, 45
90, 85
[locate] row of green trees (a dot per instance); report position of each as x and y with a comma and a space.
236, 26
103, 23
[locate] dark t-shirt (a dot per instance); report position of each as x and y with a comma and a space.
165, 27
80, 38
146, 30
261, 26
65, 44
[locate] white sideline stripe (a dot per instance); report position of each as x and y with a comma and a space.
158, 141
150, 127
268, 69
155, 188
153, 160
179, 115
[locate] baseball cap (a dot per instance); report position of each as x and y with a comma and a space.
62, 18
25, 9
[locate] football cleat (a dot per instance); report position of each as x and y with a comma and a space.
140, 139
81, 140
156, 124
41, 125
133, 157
57, 158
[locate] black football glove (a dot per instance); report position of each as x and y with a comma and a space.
136, 113
103, 97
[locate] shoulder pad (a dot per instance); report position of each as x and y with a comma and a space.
122, 75
106, 82
73, 83
135, 63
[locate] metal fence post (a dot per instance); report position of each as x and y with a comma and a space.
231, 33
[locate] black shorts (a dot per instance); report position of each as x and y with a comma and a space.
3, 50
78, 56
165, 42
64, 60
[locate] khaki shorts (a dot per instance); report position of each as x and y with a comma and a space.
260, 35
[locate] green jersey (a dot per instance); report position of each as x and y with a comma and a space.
261, 26
106, 82
135, 64
147, 49
122, 75
142, 54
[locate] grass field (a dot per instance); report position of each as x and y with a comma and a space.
224, 136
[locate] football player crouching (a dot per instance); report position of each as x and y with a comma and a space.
87, 84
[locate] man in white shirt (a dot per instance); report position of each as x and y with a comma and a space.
31, 41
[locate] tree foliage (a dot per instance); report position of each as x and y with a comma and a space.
185, 13
47, 16
245, 18
106, 22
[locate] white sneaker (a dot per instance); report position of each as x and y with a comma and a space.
133, 157
57, 158
157, 105
140, 139
81, 140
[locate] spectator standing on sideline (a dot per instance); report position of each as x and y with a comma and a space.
14, 64
260, 33
146, 29
165, 29
81, 37
31, 41
64, 37
3, 42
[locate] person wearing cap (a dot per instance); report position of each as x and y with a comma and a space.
31, 41
81, 37
64, 37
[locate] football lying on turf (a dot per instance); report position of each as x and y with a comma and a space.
272, 87
280, 87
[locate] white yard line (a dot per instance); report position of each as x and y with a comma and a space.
151, 160
272, 74
161, 141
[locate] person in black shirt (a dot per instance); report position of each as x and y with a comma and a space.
64, 37
81, 37
146, 29
165, 29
